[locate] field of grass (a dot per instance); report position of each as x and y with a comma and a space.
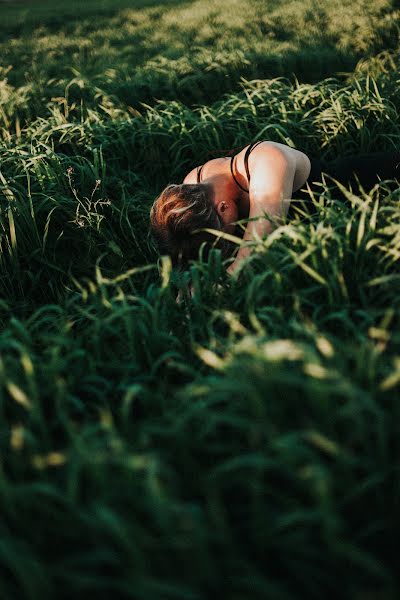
243, 443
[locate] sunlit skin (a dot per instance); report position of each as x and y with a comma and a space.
276, 171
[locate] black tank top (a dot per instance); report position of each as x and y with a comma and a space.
246, 165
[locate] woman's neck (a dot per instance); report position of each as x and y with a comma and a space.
218, 173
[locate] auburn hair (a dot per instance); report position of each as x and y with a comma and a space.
177, 219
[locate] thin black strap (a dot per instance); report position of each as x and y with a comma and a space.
246, 163
199, 169
233, 175
246, 156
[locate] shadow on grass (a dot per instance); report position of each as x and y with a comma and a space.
21, 16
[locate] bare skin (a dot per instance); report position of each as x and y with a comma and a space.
276, 171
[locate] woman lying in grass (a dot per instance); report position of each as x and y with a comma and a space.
259, 181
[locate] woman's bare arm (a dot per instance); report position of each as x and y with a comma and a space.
273, 173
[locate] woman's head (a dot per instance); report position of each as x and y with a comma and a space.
180, 212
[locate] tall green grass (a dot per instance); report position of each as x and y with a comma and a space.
243, 441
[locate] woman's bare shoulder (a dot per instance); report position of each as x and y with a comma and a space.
212, 167
191, 177
266, 146
273, 152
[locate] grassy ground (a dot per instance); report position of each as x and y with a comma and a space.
243, 443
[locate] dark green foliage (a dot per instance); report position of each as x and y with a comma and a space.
242, 441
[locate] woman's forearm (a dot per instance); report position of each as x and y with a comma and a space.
258, 229
269, 194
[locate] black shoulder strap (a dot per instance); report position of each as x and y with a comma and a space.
233, 175
246, 157
199, 169
246, 163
